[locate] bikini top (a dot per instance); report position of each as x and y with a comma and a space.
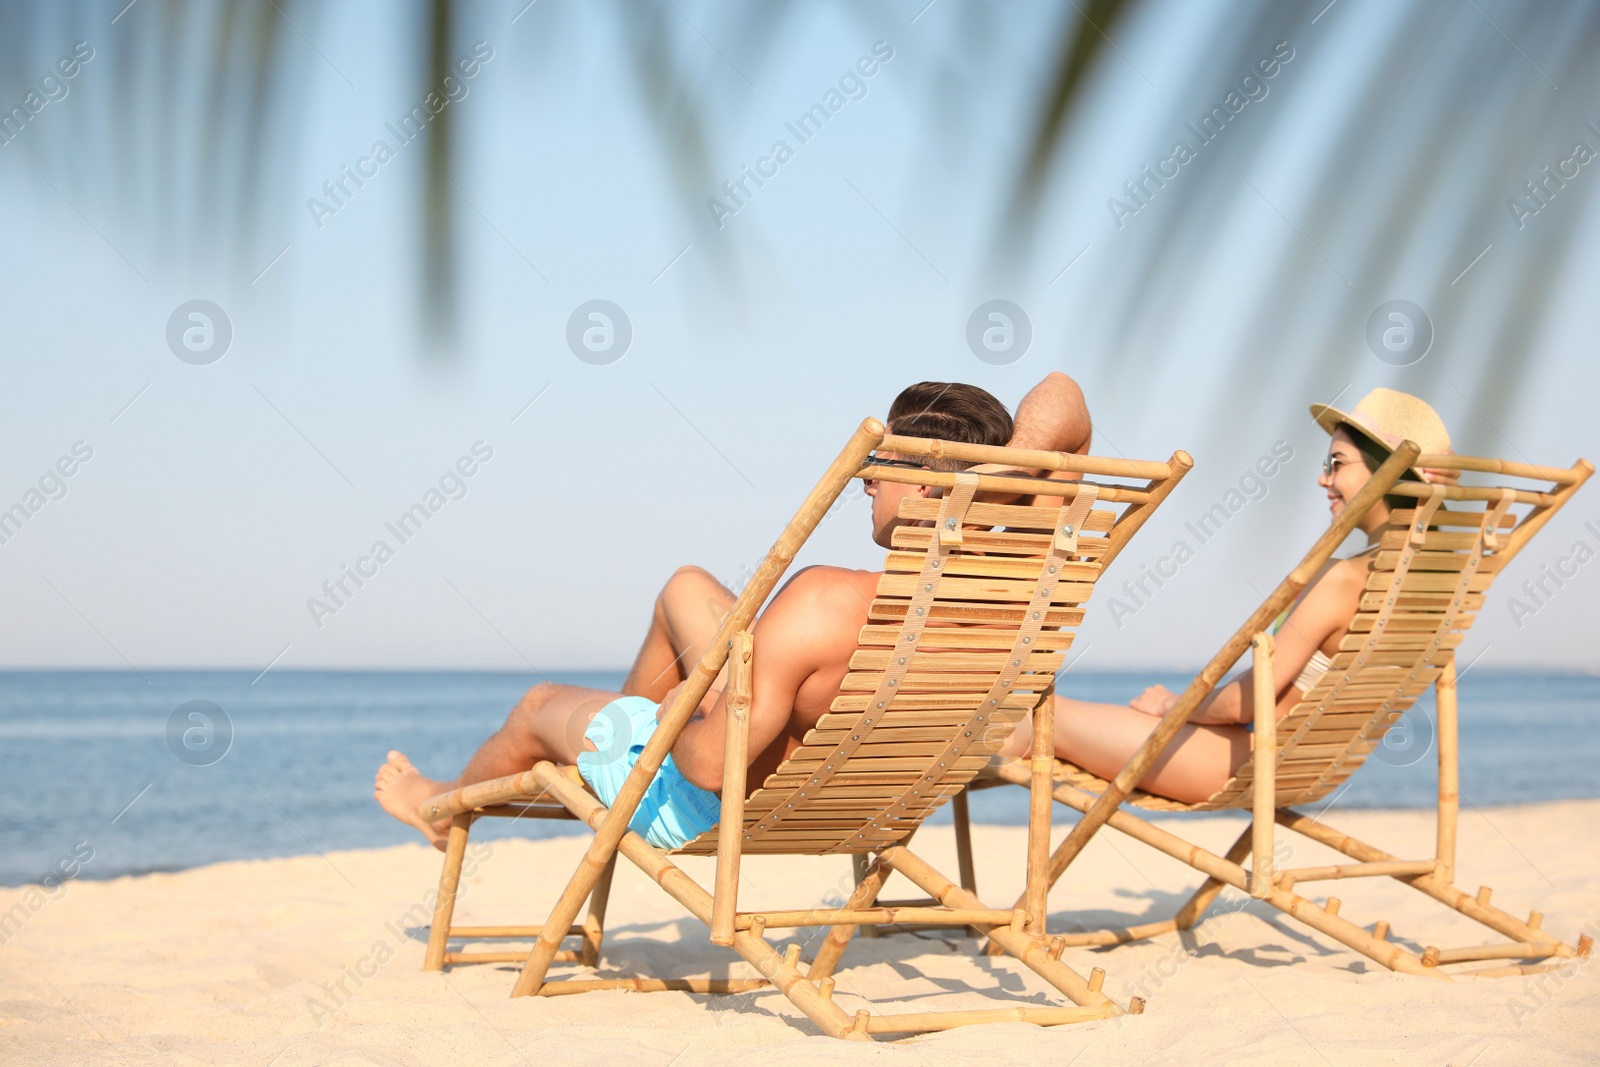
1313, 671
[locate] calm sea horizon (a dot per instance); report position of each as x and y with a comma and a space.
115, 760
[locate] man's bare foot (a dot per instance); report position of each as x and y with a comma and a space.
400, 788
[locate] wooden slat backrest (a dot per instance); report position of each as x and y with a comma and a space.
962, 640
1426, 584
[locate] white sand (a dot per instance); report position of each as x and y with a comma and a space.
233, 964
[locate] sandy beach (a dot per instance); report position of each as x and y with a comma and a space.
317, 960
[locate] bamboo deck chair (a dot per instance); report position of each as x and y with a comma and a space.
1428, 580
926, 702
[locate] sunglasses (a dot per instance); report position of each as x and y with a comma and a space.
883, 461
1332, 463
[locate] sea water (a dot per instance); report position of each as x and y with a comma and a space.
116, 762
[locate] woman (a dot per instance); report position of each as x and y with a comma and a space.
1102, 737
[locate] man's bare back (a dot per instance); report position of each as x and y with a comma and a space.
804, 640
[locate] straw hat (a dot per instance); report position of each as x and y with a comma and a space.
1388, 417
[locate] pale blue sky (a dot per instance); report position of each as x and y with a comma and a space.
220, 501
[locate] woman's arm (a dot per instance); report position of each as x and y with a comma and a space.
1325, 610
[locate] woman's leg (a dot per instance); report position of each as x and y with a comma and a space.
548, 723
1101, 738
688, 611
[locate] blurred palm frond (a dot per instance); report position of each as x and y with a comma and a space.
1441, 112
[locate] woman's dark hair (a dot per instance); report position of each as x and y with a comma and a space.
950, 411
1375, 455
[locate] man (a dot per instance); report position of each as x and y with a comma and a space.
803, 642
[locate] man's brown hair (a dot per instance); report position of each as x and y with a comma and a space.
950, 411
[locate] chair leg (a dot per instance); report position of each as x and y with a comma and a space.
1264, 793
775, 968
968, 873
444, 907
964, 865
1449, 773
1475, 908
1031, 951
1037, 891
1196, 905
594, 925
1185, 918
1209, 863
838, 939
858, 868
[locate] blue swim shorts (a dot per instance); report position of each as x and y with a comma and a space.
674, 810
